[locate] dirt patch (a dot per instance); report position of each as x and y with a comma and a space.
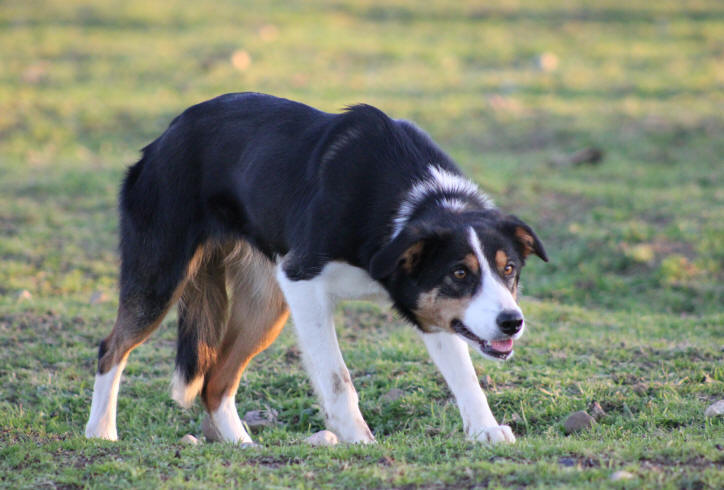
273, 462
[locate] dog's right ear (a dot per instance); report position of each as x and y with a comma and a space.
404, 251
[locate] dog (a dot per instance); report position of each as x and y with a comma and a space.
250, 206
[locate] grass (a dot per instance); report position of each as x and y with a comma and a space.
628, 313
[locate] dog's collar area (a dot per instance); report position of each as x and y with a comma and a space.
485, 346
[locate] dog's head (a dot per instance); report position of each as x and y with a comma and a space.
461, 276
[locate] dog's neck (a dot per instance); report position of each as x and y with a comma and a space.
440, 189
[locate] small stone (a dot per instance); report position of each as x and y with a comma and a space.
392, 395
98, 297
486, 382
621, 475
256, 419
24, 295
597, 411
715, 409
322, 438
578, 421
567, 462
547, 62
241, 60
190, 440
640, 389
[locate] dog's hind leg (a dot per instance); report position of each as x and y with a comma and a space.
258, 314
145, 298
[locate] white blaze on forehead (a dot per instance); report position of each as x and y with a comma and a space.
439, 181
491, 299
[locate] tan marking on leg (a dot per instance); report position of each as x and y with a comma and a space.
128, 333
258, 315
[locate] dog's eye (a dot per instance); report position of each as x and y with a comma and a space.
509, 269
460, 273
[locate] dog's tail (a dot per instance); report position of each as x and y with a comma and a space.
202, 316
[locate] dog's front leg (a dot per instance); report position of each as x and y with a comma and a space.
311, 306
452, 357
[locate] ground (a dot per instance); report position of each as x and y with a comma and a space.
628, 313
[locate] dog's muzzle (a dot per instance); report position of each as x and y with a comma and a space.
497, 349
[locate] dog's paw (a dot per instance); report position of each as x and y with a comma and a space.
213, 434
358, 438
494, 435
102, 429
108, 435
351, 431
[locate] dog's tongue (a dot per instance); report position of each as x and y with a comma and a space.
502, 345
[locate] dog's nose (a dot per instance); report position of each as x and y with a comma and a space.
510, 321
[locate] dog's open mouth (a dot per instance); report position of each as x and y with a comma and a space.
499, 349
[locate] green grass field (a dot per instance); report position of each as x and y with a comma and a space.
628, 313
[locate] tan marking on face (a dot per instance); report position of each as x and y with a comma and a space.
501, 260
411, 257
526, 239
471, 261
434, 310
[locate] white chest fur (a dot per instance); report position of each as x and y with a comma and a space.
344, 281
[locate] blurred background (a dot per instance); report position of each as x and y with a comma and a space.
600, 123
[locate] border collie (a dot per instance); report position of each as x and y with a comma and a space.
250, 206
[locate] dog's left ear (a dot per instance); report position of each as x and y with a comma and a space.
524, 236
405, 251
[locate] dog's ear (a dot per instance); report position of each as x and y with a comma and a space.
405, 251
524, 236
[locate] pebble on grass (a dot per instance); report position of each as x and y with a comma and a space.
715, 409
190, 440
621, 475
322, 438
578, 421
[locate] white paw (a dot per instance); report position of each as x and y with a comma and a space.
355, 433
358, 438
494, 435
106, 433
214, 434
